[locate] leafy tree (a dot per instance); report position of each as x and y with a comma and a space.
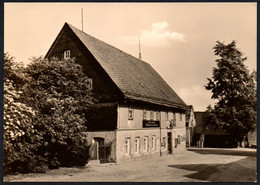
18, 128
235, 89
58, 91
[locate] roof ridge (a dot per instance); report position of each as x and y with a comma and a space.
139, 60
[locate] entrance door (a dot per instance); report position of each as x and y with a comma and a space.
169, 142
103, 151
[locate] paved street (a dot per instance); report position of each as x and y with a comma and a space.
193, 165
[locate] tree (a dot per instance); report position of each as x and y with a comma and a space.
18, 129
234, 88
59, 92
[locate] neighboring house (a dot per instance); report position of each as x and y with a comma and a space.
208, 136
138, 113
190, 125
252, 137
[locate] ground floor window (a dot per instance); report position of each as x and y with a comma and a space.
137, 145
145, 143
164, 142
153, 143
127, 146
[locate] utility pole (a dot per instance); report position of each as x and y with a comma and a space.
140, 56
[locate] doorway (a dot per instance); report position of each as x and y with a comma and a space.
101, 151
169, 142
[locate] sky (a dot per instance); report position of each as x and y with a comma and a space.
176, 39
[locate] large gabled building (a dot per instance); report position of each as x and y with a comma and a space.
137, 114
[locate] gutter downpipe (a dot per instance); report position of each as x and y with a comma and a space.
160, 135
117, 128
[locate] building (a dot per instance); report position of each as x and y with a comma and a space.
190, 125
209, 136
138, 114
252, 139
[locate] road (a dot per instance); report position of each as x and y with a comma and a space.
193, 165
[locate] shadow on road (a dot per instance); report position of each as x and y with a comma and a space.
203, 171
220, 151
238, 171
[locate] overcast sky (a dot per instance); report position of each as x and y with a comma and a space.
176, 38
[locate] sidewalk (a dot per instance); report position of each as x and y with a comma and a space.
225, 151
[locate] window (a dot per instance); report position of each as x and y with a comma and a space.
166, 116
180, 117
146, 144
164, 142
130, 113
145, 114
153, 143
67, 54
89, 83
174, 116
137, 145
151, 115
157, 115
127, 146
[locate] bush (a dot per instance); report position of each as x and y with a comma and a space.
45, 108
61, 96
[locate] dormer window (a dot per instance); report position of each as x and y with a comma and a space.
67, 54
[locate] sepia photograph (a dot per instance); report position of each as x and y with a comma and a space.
130, 92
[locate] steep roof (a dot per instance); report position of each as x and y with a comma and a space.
135, 78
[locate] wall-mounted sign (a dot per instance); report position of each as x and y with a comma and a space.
151, 123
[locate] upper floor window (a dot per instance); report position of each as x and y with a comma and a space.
174, 116
67, 54
151, 115
180, 117
145, 114
130, 113
157, 115
166, 116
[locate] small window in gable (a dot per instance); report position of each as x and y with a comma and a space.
130, 113
89, 83
66, 54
